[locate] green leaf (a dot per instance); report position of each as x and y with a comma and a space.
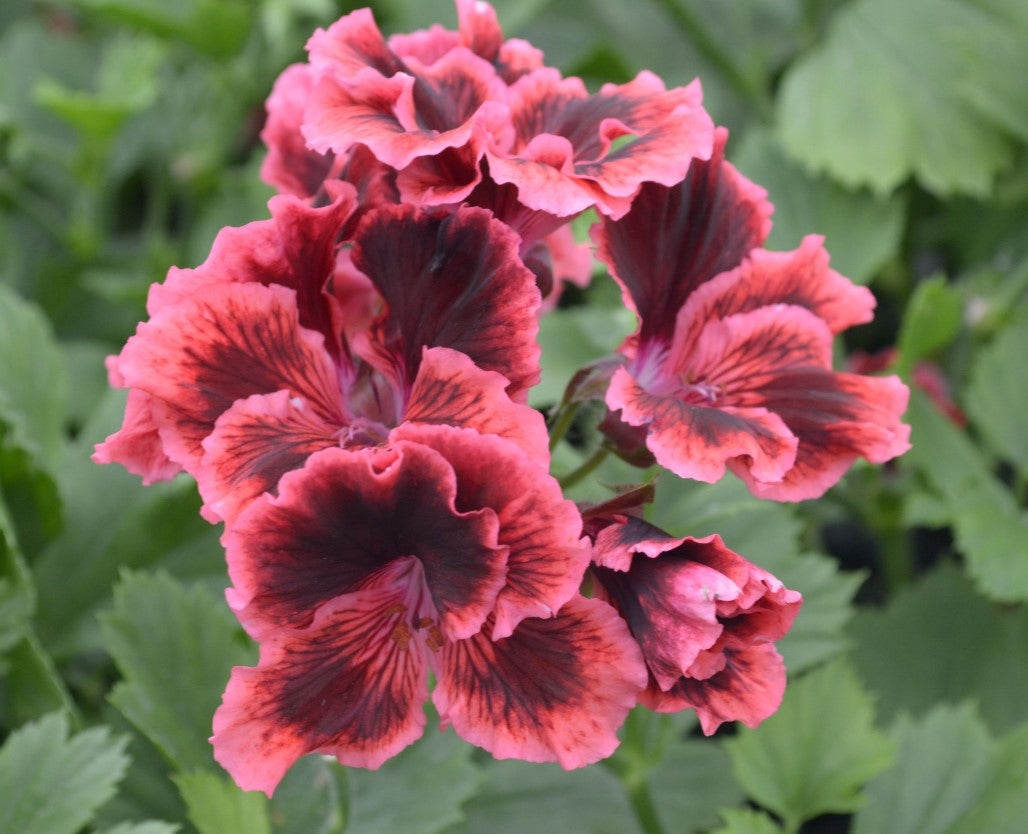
17, 595
759, 530
420, 791
32, 381
862, 231
148, 827
215, 27
571, 339
950, 778
815, 753
908, 114
174, 648
931, 321
938, 772
307, 800
987, 85
126, 85
692, 782
51, 783
990, 528
819, 631
522, 796
939, 641
997, 398
1003, 805
33, 685
217, 806
112, 522
744, 821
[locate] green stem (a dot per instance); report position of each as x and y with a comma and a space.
691, 25
642, 804
562, 421
575, 475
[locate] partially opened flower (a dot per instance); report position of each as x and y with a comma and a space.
705, 618
372, 567
732, 363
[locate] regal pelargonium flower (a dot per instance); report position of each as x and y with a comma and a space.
438, 113
705, 618
373, 566
732, 363
245, 367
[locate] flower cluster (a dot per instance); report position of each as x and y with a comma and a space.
347, 382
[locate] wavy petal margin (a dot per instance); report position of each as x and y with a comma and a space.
350, 685
456, 282
554, 690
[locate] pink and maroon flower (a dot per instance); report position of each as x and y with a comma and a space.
705, 618
245, 367
731, 364
373, 566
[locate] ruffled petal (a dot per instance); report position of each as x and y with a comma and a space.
675, 239
348, 514
451, 390
697, 441
456, 282
800, 278
290, 166
670, 602
748, 689
137, 444
419, 112
351, 685
253, 445
547, 555
555, 690
221, 345
837, 417
351, 44
296, 248
661, 131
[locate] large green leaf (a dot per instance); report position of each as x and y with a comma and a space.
420, 791
522, 796
691, 784
885, 97
17, 595
112, 522
950, 776
32, 381
991, 529
862, 231
1003, 805
815, 753
940, 641
758, 530
217, 806
818, 632
931, 321
51, 783
308, 800
174, 647
997, 398
745, 821
148, 827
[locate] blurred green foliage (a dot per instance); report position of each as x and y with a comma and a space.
129, 137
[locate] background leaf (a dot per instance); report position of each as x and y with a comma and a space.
420, 791
907, 115
50, 782
217, 806
799, 767
172, 681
